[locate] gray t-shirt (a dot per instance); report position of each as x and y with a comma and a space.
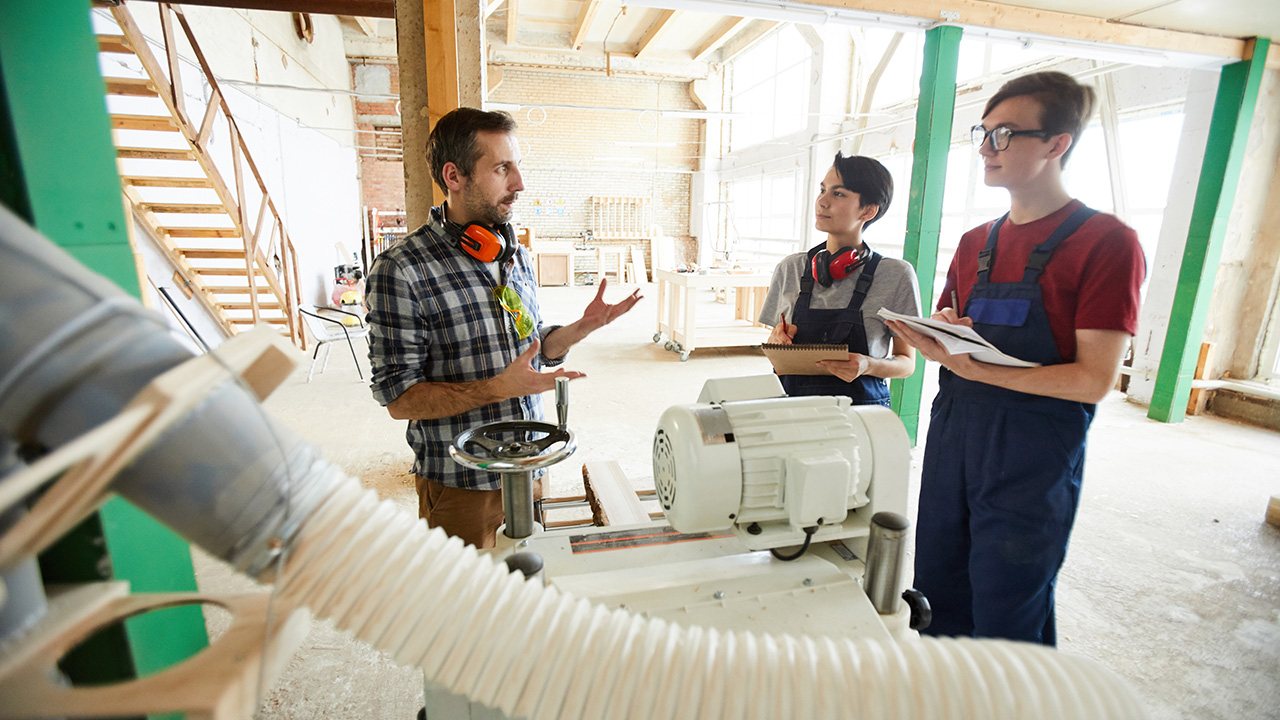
894, 287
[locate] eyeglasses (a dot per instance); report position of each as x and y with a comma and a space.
510, 301
1001, 136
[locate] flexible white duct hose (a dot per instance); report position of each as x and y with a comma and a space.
528, 650
534, 652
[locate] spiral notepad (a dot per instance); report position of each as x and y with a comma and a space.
802, 359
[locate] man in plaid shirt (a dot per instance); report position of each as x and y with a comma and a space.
456, 337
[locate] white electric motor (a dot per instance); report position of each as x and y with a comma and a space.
776, 469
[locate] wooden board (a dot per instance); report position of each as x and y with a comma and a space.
1199, 396
220, 682
612, 498
637, 260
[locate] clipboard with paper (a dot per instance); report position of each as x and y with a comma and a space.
958, 339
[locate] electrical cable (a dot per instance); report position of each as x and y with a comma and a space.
808, 536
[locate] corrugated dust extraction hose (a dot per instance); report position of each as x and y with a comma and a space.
231, 480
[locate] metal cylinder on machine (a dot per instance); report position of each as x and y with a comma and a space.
517, 504
885, 551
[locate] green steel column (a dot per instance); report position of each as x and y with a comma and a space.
57, 142
1215, 194
934, 115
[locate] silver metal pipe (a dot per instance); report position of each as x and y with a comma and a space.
77, 349
885, 550
517, 503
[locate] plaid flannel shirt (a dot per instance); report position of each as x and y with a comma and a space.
433, 317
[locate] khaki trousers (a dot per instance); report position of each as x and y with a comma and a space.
473, 516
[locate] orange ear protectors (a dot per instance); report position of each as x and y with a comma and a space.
487, 245
828, 268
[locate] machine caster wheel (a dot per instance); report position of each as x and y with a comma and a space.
684, 356
670, 345
657, 337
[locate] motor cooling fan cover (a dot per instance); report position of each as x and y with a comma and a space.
696, 468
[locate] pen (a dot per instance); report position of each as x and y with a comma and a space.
955, 303
784, 321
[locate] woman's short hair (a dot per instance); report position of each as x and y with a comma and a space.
453, 139
867, 177
1065, 104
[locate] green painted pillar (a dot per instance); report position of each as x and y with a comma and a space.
934, 115
60, 173
1215, 194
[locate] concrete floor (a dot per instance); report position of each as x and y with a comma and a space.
1172, 579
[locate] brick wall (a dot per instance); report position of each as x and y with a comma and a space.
377, 126
570, 154
573, 154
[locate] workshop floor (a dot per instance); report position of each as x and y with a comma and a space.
1172, 579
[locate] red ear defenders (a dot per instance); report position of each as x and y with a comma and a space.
827, 268
487, 245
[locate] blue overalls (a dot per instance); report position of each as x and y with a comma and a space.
835, 327
1002, 472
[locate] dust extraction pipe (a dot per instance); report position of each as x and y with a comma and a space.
233, 481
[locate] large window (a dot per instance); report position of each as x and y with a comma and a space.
769, 89
760, 217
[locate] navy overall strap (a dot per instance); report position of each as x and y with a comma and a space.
1040, 255
852, 312
864, 281
806, 281
987, 257
1044, 251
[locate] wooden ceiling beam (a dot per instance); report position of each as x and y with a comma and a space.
1067, 26
750, 37
722, 34
365, 24
354, 8
656, 31
513, 11
586, 16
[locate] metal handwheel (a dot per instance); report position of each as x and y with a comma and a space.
515, 448
504, 447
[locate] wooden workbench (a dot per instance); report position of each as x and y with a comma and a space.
677, 310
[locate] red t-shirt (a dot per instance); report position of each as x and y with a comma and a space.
1091, 283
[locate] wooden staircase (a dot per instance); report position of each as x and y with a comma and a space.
226, 239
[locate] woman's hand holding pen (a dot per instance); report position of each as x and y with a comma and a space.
783, 333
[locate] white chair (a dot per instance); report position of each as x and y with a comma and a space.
326, 326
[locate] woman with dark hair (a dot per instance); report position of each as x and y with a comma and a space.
831, 293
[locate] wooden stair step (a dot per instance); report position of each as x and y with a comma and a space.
212, 253
140, 153
159, 123
250, 321
135, 87
246, 306
185, 208
237, 289
201, 232
167, 182
233, 272
114, 44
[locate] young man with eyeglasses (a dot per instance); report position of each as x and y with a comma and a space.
1051, 282
456, 335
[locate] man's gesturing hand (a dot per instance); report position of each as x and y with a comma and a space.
600, 313
520, 378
